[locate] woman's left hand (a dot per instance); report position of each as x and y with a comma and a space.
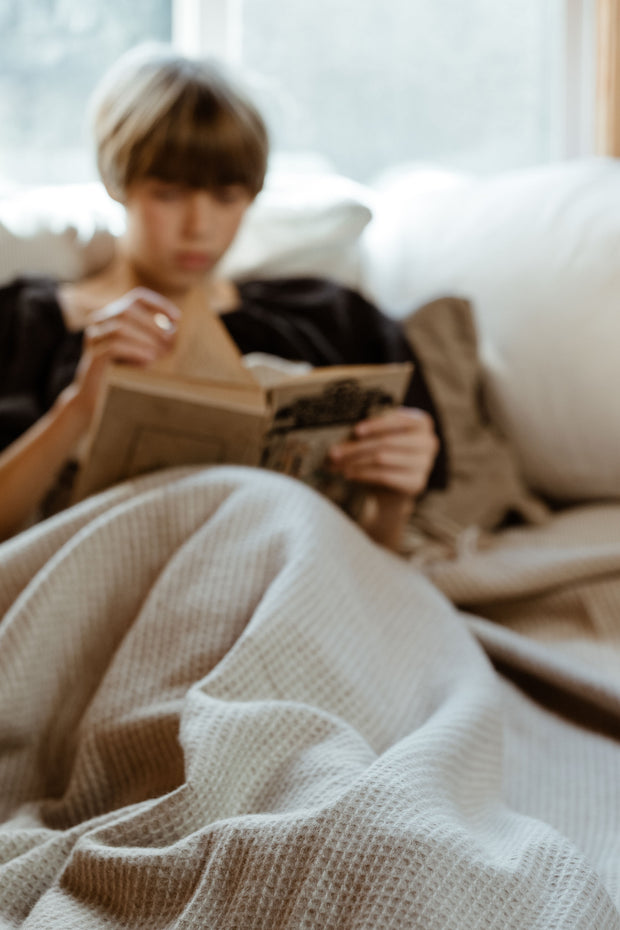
394, 453
395, 450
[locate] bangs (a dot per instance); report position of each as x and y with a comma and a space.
202, 143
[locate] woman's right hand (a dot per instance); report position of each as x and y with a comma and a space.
137, 329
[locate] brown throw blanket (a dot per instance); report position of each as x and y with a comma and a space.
222, 706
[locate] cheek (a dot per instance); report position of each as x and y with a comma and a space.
157, 227
233, 222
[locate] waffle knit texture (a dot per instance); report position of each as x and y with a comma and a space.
222, 706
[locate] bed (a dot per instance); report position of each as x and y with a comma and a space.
223, 706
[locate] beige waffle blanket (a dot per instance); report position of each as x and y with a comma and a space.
223, 707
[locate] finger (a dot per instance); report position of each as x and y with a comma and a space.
155, 302
389, 458
407, 443
161, 319
125, 353
396, 479
161, 311
157, 324
119, 331
151, 321
402, 418
412, 479
117, 345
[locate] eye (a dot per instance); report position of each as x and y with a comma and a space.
168, 192
230, 193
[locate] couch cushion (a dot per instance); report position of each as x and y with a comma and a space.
484, 485
538, 254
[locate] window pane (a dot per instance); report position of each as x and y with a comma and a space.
370, 84
52, 53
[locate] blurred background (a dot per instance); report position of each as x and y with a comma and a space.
359, 86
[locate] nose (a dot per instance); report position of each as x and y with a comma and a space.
200, 214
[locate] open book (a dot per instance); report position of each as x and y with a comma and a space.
272, 414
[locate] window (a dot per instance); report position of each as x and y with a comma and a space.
467, 83
51, 54
362, 84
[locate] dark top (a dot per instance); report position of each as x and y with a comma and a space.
307, 319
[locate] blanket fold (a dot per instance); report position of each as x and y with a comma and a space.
222, 705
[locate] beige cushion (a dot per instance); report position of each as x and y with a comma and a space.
484, 482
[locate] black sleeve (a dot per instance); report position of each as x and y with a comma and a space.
38, 355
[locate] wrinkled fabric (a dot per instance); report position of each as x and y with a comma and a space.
223, 706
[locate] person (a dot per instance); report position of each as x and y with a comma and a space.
185, 152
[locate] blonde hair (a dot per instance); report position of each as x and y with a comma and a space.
159, 114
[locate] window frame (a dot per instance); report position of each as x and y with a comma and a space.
578, 78
208, 27
608, 78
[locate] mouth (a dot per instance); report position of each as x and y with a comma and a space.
194, 261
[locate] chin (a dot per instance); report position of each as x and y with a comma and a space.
177, 282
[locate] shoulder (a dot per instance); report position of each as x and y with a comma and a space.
325, 322
32, 331
32, 337
35, 288
30, 301
304, 291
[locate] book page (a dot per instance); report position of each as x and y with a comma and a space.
204, 349
311, 413
271, 370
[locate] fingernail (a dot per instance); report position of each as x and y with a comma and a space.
164, 323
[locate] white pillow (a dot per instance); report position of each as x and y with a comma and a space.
301, 224
538, 253
64, 231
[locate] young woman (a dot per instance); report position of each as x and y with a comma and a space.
186, 153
